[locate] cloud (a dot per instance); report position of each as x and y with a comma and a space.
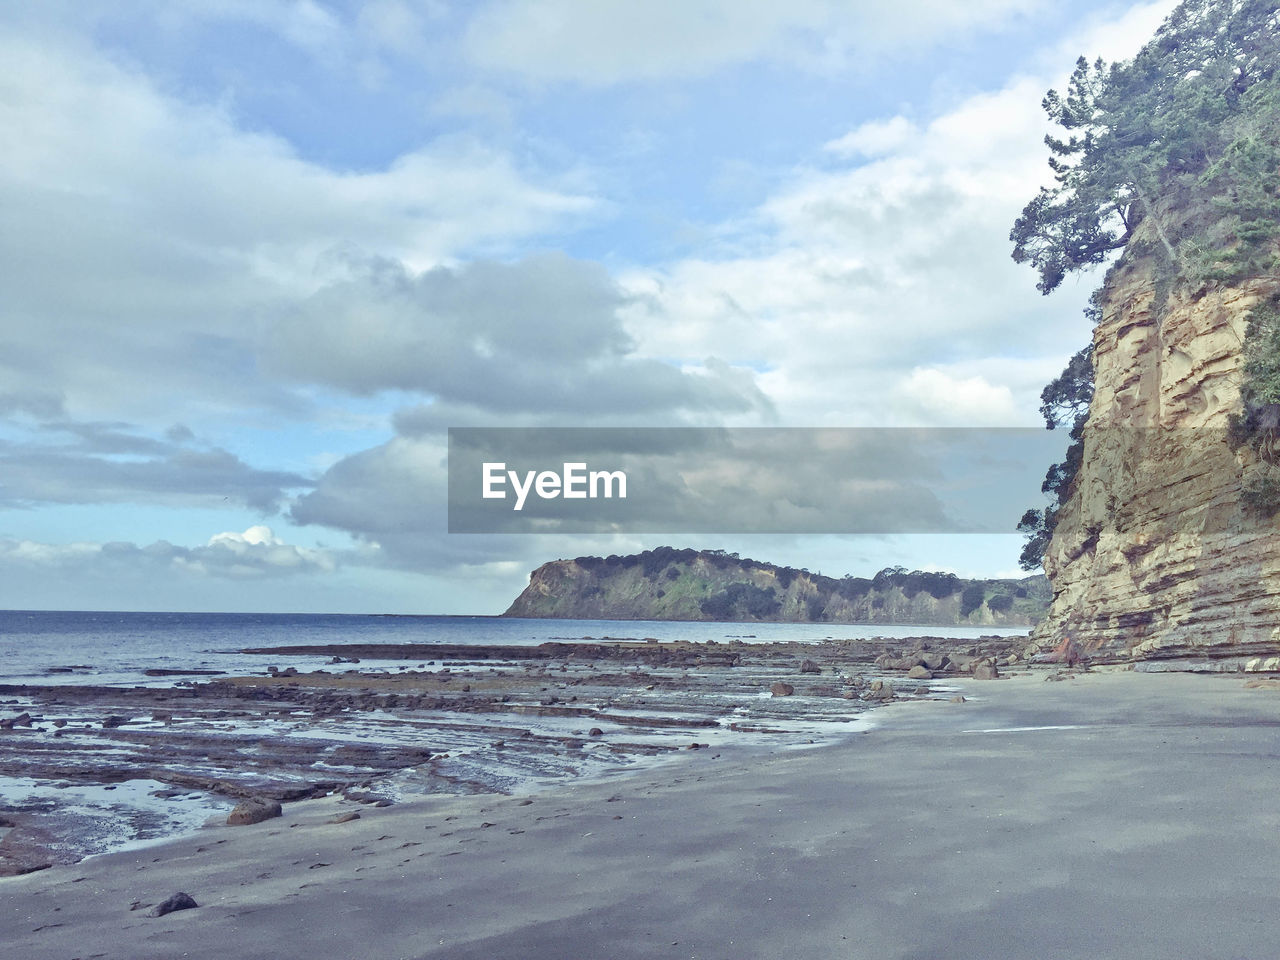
149, 237
873, 138
256, 551
851, 276
942, 398
83, 462
616, 41
539, 335
254, 554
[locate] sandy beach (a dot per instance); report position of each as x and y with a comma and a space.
1117, 814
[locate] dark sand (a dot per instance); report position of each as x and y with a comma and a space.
1114, 815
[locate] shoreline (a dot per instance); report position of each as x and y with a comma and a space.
380, 723
1116, 814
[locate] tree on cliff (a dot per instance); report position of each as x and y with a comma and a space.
1195, 113
1064, 400
1185, 136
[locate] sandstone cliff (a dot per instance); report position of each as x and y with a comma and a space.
1154, 555
668, 584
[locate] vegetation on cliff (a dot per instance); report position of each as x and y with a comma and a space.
670, 584
1185, 137
1193, 120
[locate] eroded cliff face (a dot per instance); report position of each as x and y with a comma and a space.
1154, 555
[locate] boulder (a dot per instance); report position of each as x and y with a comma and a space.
919, 673
985, 670
808, 666
780, 689
179, 901
879, 690
254, 810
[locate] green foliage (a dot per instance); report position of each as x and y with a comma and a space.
1000, 604
1262, 355
1037, 526
1260, 493
971, 598
1185, 136
1194, 115
694, 584
1065, 399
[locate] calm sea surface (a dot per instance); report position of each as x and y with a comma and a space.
116, 648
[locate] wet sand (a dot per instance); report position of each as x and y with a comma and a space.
1114, 815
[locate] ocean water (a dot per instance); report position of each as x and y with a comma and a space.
36, 646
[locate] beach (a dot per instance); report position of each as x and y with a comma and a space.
88, 768
1114, 814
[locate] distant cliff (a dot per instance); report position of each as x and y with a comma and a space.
670, 584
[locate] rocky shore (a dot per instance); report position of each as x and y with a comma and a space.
384, 723
1118, 814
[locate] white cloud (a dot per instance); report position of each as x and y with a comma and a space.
614, 41
848, 279
969, 401
256, 553
847, 282
873, 138
154, 235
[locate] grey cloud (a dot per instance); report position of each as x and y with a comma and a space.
112, 463
41, 404
393, 495
617, 42
541, 335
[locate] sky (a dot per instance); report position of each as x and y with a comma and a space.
259, 255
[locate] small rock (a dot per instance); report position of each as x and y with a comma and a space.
254, 810
344, 817
919, 673
808, 666
957, 699
179, 901
595, 732
780, 689
114, 721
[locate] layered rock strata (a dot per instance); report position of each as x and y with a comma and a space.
1155, 554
